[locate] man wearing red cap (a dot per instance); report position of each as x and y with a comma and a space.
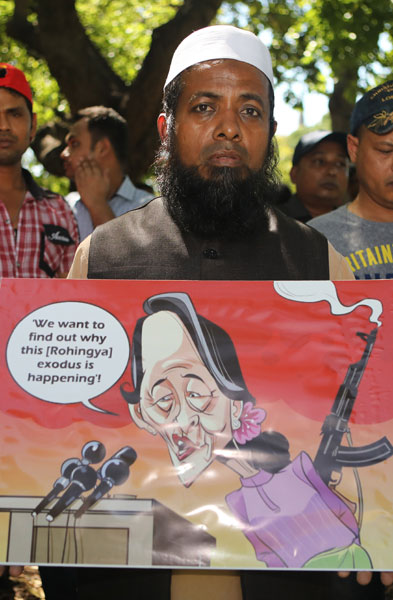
38, 232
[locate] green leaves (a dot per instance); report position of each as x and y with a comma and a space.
348, 42
122, 29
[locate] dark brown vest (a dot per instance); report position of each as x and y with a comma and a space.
146, 244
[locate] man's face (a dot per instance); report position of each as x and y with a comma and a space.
321, 177
17, 128
180, 400
79, 146
373, 156
222, 117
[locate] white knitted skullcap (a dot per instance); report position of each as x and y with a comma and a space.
220, 41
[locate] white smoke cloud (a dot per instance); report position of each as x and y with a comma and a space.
316, 291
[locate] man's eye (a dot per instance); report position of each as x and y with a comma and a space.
202, 108
251, 111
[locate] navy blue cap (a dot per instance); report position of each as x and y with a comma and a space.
374, 110
310, 140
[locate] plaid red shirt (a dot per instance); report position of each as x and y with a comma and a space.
46, 238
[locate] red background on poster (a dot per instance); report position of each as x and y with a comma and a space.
289, 351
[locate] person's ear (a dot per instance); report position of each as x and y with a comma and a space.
274, 127
137, 417
353, 147
236, 411
33, 128
162, 126
293, 175
102, 148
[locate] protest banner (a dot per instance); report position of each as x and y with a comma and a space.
196, 424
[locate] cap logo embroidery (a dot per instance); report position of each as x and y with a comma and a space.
386, 87
381, 119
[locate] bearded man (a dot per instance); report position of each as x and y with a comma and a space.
216, 172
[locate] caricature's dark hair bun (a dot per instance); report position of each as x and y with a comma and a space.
270, 451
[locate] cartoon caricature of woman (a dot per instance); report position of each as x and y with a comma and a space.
190, 390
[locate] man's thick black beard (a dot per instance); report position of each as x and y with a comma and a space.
227, 205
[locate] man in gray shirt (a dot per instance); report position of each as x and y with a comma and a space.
362, 231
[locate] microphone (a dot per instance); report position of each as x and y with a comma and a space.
83, 478
59, 485
127, 454
114, 471
93, 452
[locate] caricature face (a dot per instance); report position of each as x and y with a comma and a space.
180, 400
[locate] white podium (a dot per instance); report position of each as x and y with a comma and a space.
121, 530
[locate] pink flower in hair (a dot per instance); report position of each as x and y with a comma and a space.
250, 423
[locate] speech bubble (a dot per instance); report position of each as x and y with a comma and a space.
68, 352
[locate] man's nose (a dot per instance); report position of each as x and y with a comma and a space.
333, 168
228, 126
4, 122
64, 153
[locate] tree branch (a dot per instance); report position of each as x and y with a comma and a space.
81, 71
19, 28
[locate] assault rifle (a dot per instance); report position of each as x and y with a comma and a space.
331, 455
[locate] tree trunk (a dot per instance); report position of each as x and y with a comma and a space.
340, 105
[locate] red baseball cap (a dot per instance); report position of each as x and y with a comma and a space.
14, 79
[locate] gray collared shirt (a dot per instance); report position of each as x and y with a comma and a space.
128, 197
